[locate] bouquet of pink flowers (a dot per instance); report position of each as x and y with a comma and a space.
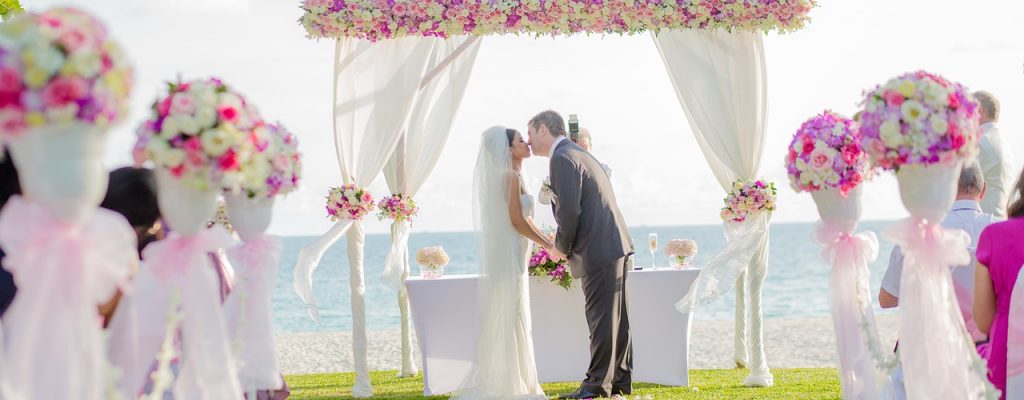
748, 198
826, 153
541, 264
60, 67
276, 166
919, 118
398, 207
348, 202
205, 134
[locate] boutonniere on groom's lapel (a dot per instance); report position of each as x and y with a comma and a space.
546, 194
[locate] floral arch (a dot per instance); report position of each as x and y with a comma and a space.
402, 66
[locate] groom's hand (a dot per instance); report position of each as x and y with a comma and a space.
557, 255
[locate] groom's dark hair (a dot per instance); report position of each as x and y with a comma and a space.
551, 120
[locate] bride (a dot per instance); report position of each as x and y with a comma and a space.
504, 366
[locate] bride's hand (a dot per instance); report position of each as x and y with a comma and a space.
556, 254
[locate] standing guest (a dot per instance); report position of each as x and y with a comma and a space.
584, 140
8, 187
994, 158
1000, 257
968, 216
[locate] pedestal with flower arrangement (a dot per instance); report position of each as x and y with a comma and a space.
680, 253
825, 159
273, 170
924, 127
203, 138
63, 83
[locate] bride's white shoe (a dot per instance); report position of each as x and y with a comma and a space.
759, 379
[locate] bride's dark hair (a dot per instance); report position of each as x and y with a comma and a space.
511, 134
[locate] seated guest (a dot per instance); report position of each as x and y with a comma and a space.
966, 215
8, 187
1000, 257
994, 157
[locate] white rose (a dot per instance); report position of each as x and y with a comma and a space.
232, 181
890, 134
913, 111
203, 93
46, 58
187, 124
206, 117
939, 124
171, 157
169, 128
87, 63
935, 95
256, 172
215, 142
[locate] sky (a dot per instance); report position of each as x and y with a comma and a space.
616, 84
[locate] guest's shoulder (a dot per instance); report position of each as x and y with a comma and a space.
1012, 226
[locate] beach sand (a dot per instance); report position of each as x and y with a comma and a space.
790, 343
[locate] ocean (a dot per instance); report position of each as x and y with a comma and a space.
796, 286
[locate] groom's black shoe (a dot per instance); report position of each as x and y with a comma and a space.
580, 393
622, 390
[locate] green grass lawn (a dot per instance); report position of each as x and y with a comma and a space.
799, 383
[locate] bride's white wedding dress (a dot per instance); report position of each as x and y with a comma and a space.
504, 366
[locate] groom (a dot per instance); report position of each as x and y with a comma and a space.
593, 237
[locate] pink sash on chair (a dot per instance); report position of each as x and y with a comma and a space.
1015, 342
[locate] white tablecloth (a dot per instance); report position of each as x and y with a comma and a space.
444, 313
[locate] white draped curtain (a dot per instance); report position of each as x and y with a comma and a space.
375, 85
444, 82
720, 79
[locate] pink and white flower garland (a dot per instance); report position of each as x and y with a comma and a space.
747, 199
348, 202
398, 207
58, 67
919, 118
826, 153
203, 132
375, 20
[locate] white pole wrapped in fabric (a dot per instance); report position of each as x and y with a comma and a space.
443, 86
374, 88
720, 79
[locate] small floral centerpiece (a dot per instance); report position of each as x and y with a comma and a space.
826, 154
276, 165
747, 199
60, 67
541, 264
919, 118
203, 133
432, 261
348, 202
398, 207
680, 252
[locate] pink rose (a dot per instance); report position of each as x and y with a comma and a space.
228, 113
893, 97
281, 162
366, 197
820, 160
10, 80
229, 161
12, 121
164, 107
178, 170
182, 104
74, 39
64, 90
193, 144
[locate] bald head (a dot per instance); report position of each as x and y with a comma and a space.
971, 185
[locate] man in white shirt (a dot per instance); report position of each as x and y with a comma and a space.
585, 141
968, 216
994, 158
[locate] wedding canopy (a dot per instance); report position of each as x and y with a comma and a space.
401, 68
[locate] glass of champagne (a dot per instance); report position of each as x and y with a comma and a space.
652, 245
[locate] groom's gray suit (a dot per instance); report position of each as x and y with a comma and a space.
592, 233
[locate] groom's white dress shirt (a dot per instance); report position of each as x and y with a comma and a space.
995, 164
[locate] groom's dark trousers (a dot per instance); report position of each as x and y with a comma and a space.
611, 347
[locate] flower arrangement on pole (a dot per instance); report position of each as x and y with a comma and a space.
349, 202
826, 153
747, 199
398, 207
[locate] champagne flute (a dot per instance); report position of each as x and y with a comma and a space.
652, 245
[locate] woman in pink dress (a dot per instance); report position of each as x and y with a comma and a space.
1000, 257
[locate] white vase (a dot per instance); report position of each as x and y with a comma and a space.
185, 209
61, 169
841, 212
250, 218
928, 192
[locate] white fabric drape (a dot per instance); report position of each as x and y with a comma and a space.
720, 79
375, 85
417, 152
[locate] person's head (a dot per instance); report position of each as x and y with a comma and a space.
132, 193
1016, 208
989, 106
543, 129
9, 185
520, 150
971, 185
584, 139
